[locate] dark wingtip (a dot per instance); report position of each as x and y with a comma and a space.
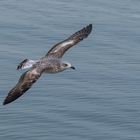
5, 102
12, 96
9, 98
89, 27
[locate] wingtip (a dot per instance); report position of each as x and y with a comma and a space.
87, 30
90, 27
8, 100
4, 103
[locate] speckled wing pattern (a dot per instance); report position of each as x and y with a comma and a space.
28, 78
59, 49
25, 82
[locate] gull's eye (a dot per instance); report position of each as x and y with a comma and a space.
65, 65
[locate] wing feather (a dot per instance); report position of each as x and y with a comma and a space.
25, 82
59, 49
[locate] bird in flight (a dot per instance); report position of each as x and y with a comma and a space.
50, 63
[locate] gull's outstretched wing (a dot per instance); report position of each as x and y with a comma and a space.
25, 82
59, 49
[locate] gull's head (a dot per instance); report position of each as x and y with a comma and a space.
67, 65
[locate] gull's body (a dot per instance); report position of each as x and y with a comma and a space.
50, 63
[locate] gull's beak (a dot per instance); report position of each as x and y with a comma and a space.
72, 67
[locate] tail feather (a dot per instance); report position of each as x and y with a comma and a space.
26, 63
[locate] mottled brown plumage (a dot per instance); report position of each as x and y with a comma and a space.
25, 82
59, 49
51, 63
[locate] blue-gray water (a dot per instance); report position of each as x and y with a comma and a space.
98, 101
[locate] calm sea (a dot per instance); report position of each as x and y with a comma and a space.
100, 100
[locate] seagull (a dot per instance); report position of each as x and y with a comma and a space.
50, 63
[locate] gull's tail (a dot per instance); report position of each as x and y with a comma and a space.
26, 63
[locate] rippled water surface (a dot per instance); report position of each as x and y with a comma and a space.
100, 100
